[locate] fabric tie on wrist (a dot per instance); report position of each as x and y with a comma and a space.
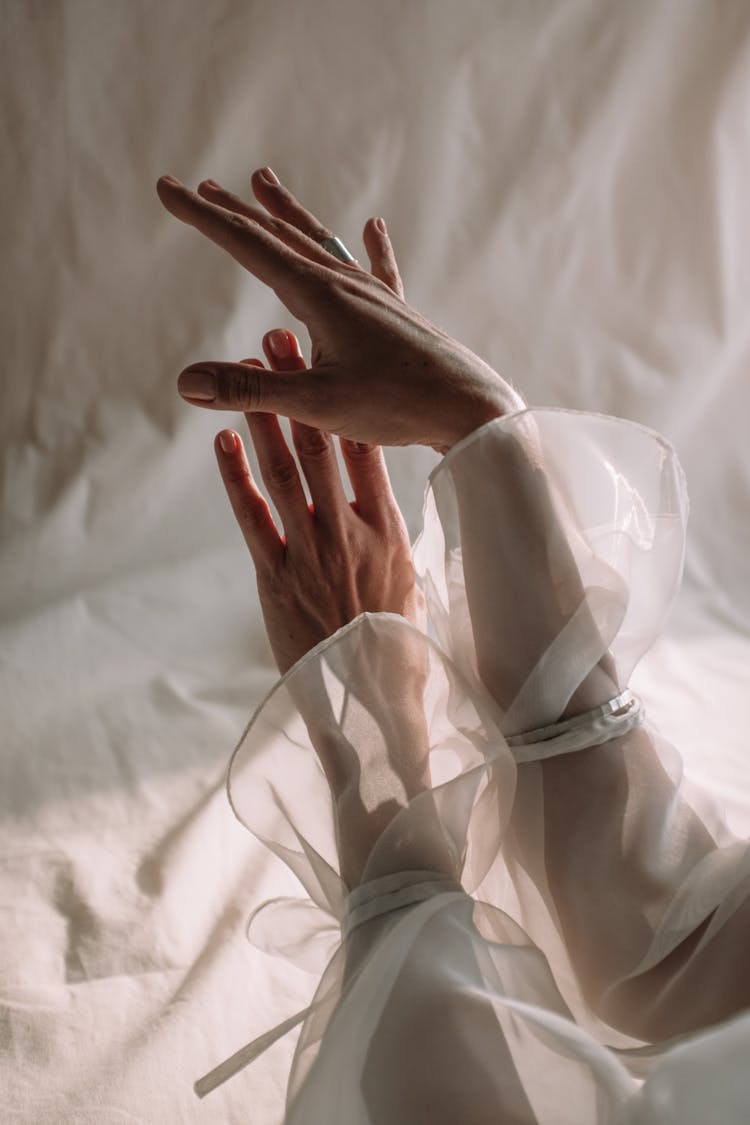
393, 892
592, 728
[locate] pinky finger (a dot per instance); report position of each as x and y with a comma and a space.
248, 504
383, 262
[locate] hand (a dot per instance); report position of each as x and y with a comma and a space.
380, 372
337, 559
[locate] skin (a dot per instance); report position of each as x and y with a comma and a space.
380, 372
331, 561
334, 559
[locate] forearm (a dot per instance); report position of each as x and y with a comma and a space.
373, 747
620, 842
605, 833
368, 794
442, 1051
523, 584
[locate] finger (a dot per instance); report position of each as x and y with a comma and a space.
282, 350
248, 504
292, 276
277, 466
368, 475
280, 202
238, 386
280, 475
315, 448
290, 235
382, 258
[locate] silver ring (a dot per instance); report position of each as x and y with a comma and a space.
336, 247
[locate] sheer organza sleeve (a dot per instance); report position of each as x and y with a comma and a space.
378, 775
501, 872
551, 554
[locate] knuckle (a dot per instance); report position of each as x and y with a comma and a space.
362, 452
368, 462
237, 222
313, 444
281, 474
239, 387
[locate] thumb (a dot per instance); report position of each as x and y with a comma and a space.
239, 386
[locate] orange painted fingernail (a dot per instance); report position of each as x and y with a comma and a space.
228, 441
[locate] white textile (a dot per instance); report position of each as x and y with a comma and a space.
566, 189
520, 916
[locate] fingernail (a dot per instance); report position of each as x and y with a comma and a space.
197, 384
213, 184
279, 343
228, 441
171, 180
380, 224
270, 176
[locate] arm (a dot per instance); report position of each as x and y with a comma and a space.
606, 834
335, 561
437, 1049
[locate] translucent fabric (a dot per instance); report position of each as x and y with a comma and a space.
516, 908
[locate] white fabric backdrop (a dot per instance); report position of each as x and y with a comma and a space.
566, 188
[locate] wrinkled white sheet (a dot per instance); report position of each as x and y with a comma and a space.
566, 188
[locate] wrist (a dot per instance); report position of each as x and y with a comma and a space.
494, 402
480, 395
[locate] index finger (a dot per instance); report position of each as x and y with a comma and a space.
289, 274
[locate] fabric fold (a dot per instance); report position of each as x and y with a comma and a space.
498, 859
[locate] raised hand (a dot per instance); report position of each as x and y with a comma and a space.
380, 371
336, 559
